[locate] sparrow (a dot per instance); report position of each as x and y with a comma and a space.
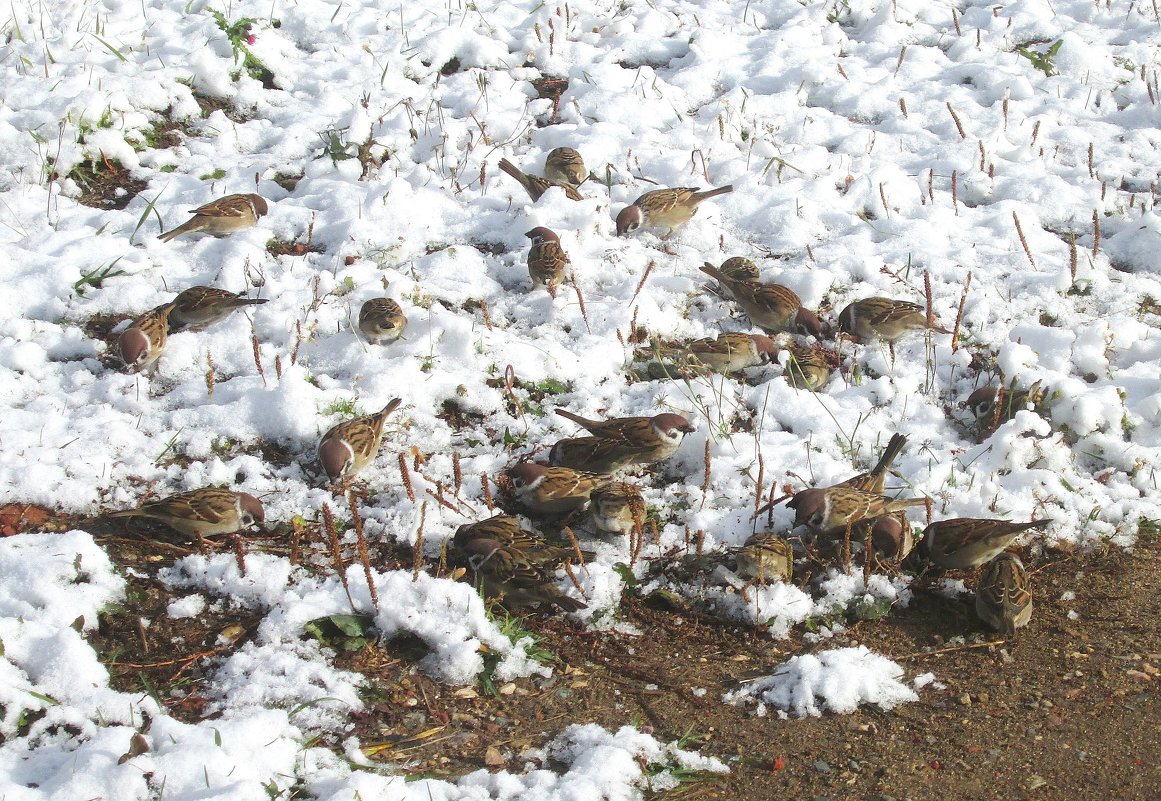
564, 165
891, 537
381, 320
199, 307
883, 318
351, 445
772, 307
664, 208
547, 490
829, 511
1003, 597
508, 532
142, 343
222, 216
732, 352
617, 508
546, 259
964, 542
738, 270
201, 513
995, 405
511, 564
658, 436
808, 368
874, 480
536, 186
597, 454
765, 557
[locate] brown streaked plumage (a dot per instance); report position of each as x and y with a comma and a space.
353, 444
664, 208
964, 542
547, 490
381, 320
883, 318
829, 511
739, 270
597, 454
772, 307
201, 513
807, 368
658, 436
765, 557
618, 508
546, 259
564, 165
513, 564
993, 406
734, 351
198, 307
1004, 595
222, 216
536, 186
142, 343
876, 478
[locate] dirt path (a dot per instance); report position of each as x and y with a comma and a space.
1069, 710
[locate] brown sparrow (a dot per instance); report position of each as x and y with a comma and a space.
511, 564
351, 445
202, 513
142, 343
1003, 597
891, 537
507, 531
765, 557
989, 413
381, 320
658, 436
964, 542
222, 216
596, 454
732, 352
564, 165
546, 490
546, 259
536, 186
883, 318
874, 480
737, 270
772, 307
829, 511
808, 368
664, 208
198, 307
617, 508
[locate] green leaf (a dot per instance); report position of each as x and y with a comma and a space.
110, 47
626, 574
344, 632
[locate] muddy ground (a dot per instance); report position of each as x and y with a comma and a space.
1068, 709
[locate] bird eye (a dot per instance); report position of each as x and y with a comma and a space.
984, 408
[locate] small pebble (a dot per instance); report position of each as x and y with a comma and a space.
821, 766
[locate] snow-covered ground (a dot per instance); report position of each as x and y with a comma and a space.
868, 142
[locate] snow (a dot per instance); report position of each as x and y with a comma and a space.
839, 680
838, 126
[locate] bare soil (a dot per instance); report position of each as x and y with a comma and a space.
1067, 709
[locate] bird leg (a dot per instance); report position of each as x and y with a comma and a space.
847, 546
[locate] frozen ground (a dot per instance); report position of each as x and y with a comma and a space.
869, 143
